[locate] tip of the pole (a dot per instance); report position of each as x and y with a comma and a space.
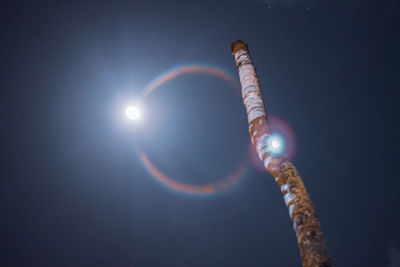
238, 45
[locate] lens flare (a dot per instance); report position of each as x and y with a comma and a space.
286, 142
178, 71
276, 144
206, 189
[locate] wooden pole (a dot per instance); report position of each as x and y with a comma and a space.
305, 222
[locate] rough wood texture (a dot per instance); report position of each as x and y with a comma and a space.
305, 222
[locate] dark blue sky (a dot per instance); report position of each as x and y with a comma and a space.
73, 191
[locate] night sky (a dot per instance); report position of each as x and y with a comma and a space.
73, 188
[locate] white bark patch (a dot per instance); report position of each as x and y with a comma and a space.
267, 161
262, 146
291, 207
285, 187
288, 197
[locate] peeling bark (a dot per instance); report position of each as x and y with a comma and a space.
305, 222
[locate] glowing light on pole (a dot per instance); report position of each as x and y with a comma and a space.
305, 222
276, 144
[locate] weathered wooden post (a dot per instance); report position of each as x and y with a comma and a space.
305, 222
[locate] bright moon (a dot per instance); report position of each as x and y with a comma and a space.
132, 113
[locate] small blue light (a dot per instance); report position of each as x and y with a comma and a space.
276, 145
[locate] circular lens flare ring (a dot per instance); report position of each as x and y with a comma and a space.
172, 74
206, 189
209, 188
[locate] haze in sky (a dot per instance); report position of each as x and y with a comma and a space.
76, 189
